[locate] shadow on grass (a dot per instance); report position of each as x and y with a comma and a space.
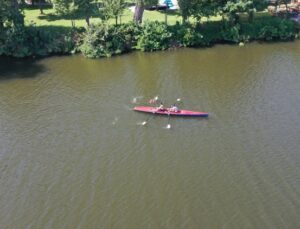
11, 68
166, 11
55, 29
36, 7
76, 15
172, 12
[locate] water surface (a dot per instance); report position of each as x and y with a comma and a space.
72, 154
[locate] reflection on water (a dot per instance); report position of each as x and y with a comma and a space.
73, 156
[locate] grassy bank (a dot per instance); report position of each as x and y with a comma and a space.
48, 34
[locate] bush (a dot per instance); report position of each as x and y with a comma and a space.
270, 29
154, 36
186, 35
36, 41
231, 33
104, 40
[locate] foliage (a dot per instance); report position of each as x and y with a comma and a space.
104, 40
271, 29
85, 7
112, 8
10, 15
281, 30
107, 40
140, 7
154, 36
211, 32
231, 33
198, 8
187, 35
33, 41
260, 5
233, 7
62, 7
185, 8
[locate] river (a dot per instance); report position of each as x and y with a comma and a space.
74, 155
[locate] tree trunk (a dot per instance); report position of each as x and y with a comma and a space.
138, 13
1, 24
87, 19
276, 6
166, 17
251, 16
184, 19
286, 8
116, 18
41, 7
15, 4
22, 2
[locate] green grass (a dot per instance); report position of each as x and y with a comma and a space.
33, 16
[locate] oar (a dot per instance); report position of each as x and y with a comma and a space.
178, 100
147, 120
168, 125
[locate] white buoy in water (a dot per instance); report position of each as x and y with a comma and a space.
144, 123
168, 126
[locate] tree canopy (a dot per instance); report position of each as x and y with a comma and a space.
112, 8
10, 14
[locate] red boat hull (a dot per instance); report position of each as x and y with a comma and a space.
185, 113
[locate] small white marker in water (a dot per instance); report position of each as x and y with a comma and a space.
144, 123
168, 126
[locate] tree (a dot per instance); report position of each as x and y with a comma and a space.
140, 7
199, 8
285, 2
10, 14
260, 5
86, 8
205, 8
185, 6
113, 8
233, 7
40, 4
62, 7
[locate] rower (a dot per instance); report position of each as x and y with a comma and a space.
160, 108
174, 108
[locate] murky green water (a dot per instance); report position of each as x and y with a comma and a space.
73, 156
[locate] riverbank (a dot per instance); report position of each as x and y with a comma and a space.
105, 39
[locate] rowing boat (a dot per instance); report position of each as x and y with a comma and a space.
185, 113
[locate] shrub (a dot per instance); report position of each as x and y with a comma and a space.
104, 40
185, 35
36, 41
231, 33
154, 36
270, 29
